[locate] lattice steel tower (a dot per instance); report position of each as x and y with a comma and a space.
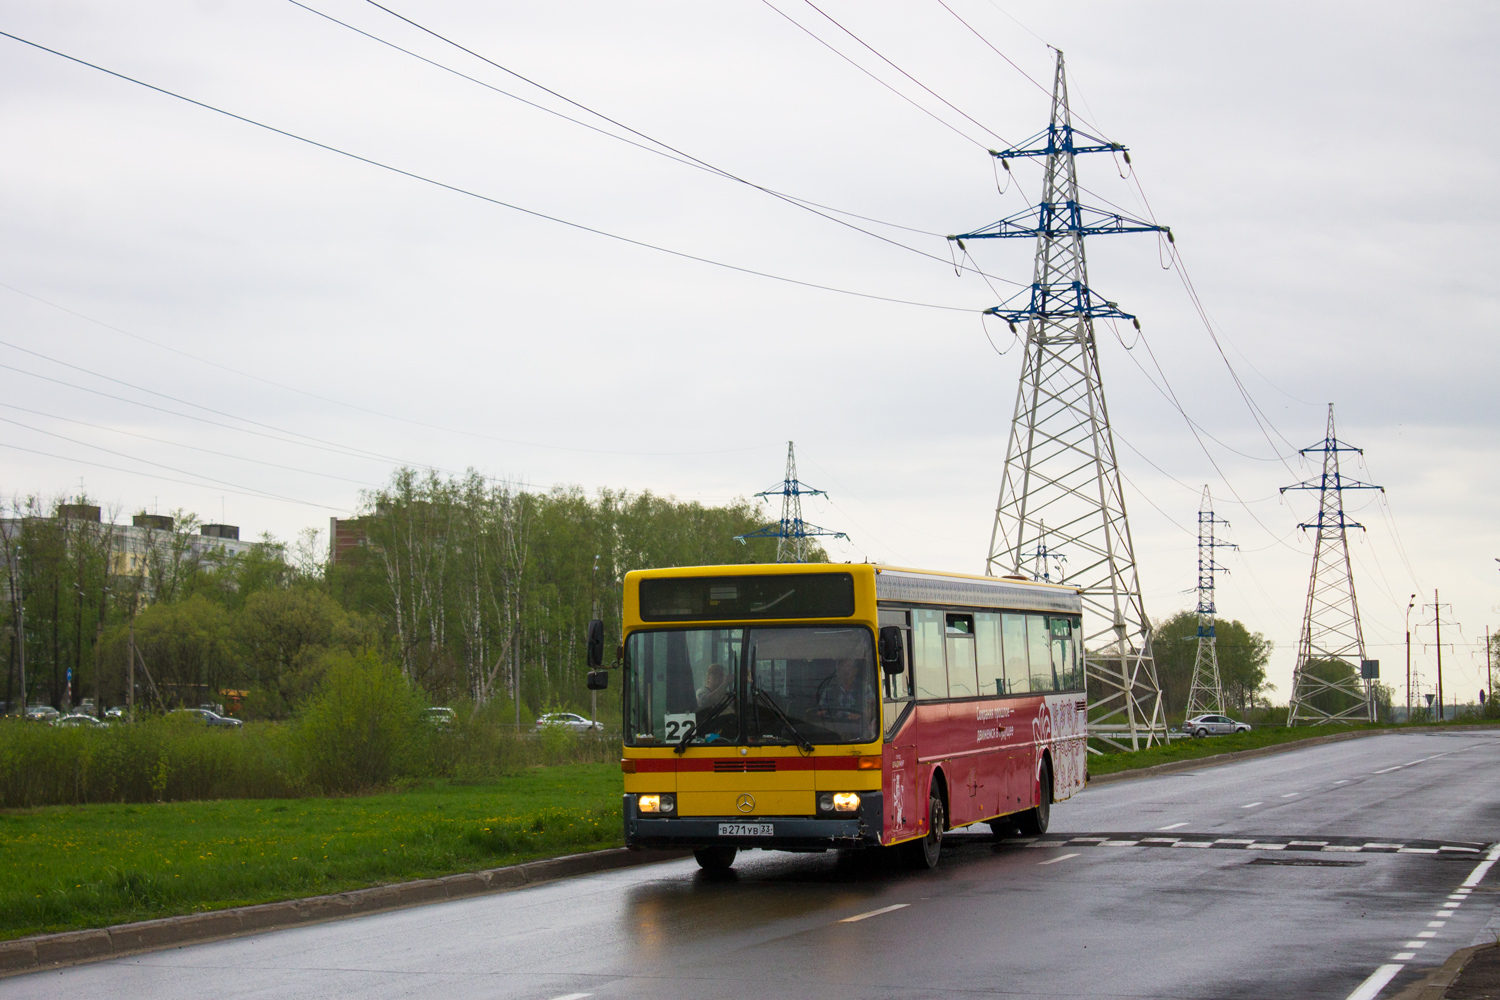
1060, 462
1331, 633
791, 532
1206, 691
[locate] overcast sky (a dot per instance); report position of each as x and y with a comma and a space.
276, 325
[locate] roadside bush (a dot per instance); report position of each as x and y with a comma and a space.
363, 729
162, 759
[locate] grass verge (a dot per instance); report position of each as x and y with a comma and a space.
1212, 746
73, 867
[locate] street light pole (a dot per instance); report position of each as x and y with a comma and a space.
1437, 624
1410, 604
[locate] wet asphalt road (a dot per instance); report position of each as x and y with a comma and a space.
1293, 876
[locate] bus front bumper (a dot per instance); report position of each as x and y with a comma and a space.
787, 833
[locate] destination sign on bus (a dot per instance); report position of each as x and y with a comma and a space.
724, 598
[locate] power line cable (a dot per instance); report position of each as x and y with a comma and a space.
364, 409
486, 198
256, 494
666, 150
903, 72
926, 111
190, 447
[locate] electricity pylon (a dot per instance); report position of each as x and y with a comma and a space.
1331, 633
791, 532
1206, 691
1044, 559
1060, 461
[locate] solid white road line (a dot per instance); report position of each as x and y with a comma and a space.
1053, 861
1171, 826
1370, 988
1482, 869
873, 913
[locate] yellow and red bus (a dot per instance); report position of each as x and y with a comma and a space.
809, 707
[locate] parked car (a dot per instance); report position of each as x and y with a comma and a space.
1213, 725
568, 720
114, 714
209, 718
41, 713
78, 719
441, 717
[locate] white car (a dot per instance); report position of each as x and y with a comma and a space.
568, 720
1213, 725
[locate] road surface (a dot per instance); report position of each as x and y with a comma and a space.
1335, 871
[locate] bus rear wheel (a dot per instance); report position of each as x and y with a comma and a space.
715, 859
923, 854
1033, 822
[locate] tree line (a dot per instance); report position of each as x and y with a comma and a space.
476, 591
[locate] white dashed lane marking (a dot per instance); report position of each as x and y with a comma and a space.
1368, 989
1053, 861
1251, 805
873, 913
1171, 826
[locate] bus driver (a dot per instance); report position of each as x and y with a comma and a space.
845, 700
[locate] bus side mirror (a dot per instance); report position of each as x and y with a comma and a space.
598, 680
596, 645
891, 659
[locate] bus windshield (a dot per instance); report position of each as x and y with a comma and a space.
758, 686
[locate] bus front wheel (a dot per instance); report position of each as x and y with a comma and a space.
1033, 822
923, 854
715, 859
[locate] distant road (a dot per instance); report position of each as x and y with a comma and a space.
1319, 873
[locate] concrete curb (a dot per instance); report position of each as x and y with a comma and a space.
52, 951
1437, 982
1171, 767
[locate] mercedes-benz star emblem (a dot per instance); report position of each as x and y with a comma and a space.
745, 802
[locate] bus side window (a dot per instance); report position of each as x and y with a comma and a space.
1017, 674
1064, 653
961, 673
987, 654
897, 687
928, 666
1038, 643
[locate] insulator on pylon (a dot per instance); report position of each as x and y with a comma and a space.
1136, 323
1012, 327
961, 244
1006, 164
1126, 154
1169, 236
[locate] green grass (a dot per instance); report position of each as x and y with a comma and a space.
71, 867
1210, 746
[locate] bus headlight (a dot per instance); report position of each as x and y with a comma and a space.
842, 802
656, 803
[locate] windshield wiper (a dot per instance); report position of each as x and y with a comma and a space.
797, 737
692, 730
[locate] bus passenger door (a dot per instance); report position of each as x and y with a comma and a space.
900, 760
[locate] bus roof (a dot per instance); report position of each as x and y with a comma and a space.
900, 584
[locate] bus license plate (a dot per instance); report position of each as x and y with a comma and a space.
746, 829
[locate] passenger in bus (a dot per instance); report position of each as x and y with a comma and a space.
715, 686
846, 699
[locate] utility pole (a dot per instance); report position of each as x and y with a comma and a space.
791, 532
21, 639
1437, 627
130, 674
1206, 692
1409, 605
594, 613
1331, 632
1489, 666
1060, 459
